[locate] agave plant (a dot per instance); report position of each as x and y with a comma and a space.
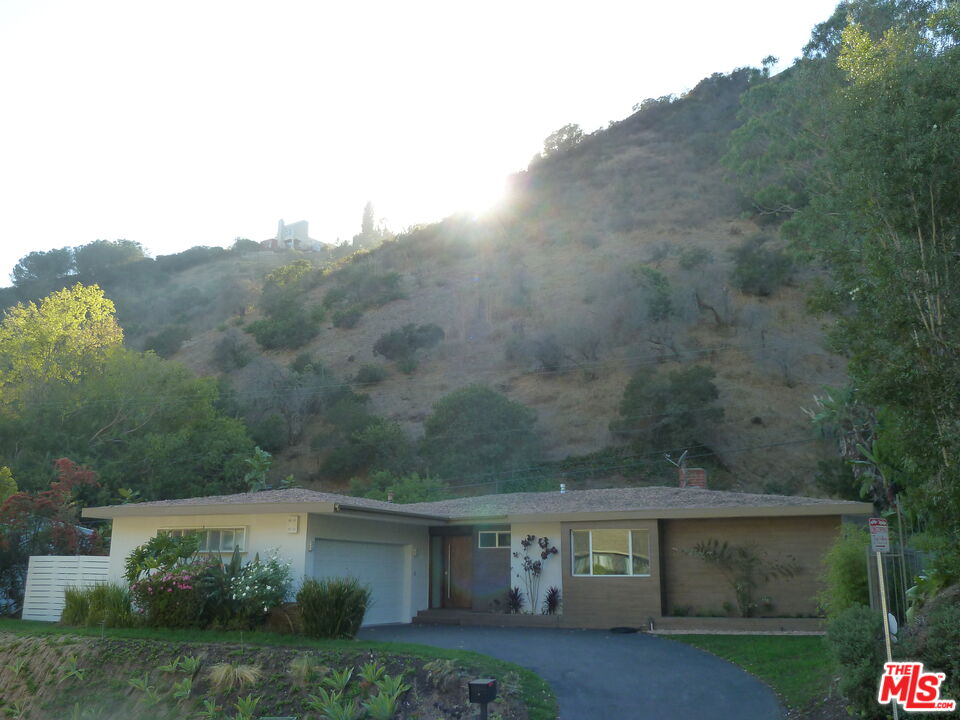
190, 665
371, 673
338, 680
381, 707
246, 706
392, 686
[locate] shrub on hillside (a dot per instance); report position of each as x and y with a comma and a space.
231, 352
413, 488
168, 341
476, 431
671, 411
347, 317
288, 331
854, 640
693, 257
759, 270
380, 445
845, 576
370, 374
404, 342
333, 608
270, 433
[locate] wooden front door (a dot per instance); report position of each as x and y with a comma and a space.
458, 571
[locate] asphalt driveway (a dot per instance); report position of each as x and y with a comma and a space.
597, 674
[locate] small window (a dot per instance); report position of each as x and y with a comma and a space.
213, 540
492, 539
610, 552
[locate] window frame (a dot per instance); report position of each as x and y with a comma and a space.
205, 532
630, 562
497, 535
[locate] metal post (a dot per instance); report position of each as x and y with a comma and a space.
483, 711
886, 623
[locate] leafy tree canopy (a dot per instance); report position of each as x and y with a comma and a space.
476, 432
413, 488
93, 259
563, 139
43, 267
668, 412
70, 332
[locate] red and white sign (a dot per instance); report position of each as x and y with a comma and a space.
879, 535
915, 690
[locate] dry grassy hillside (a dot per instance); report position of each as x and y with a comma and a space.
562, 267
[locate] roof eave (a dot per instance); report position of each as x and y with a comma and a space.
679, 513
145, 510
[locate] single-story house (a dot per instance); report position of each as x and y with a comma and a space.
619, 558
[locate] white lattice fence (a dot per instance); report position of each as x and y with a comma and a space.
48, 575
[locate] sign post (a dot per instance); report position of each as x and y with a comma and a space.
880, 543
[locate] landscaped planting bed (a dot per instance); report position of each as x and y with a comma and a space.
58, 676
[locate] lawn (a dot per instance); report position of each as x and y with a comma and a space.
533, 691
796, 666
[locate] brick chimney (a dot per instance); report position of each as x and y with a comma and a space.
693, 477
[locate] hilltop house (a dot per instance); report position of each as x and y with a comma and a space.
293, 237
618, 560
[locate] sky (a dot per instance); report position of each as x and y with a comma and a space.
183, 123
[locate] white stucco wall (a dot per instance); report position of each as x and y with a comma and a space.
552, 568
414, 538
265, 533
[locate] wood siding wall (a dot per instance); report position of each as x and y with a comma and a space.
690, 583
491, 573
604, 602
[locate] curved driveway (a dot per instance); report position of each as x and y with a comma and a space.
597, 674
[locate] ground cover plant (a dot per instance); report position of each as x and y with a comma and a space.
48, 670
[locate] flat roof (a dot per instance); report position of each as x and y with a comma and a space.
636, 502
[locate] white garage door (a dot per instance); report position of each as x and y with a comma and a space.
380, 566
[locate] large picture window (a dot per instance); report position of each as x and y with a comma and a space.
610, 552
213, 540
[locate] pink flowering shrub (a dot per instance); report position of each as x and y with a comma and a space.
171, 598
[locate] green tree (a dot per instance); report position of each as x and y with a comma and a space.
367, 225
71, 332
476, 432
385, 485
562, 140
96, 258
145, 423
887, 225
8, 486
44, 268
667, 412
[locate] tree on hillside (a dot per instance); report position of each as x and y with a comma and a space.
562, 140
70, 332
370, 235
476, 432
93, 259
665, 412
43, 268
888, 227
368, 222
145, 423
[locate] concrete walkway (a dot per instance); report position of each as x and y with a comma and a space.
597, 674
